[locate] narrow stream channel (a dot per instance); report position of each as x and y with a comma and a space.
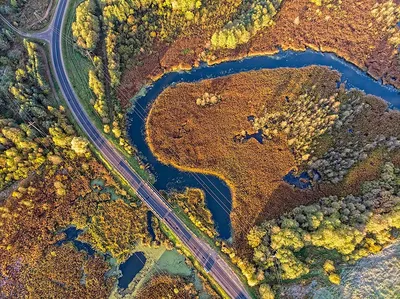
72, 234
218, 197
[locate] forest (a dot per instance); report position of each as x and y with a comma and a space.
139, 41
339, 228
51, 180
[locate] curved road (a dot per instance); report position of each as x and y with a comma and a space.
207, 257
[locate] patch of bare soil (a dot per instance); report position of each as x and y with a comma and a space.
34, 15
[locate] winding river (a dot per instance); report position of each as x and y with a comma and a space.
218, 197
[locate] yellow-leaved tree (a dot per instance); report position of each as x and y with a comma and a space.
86, 27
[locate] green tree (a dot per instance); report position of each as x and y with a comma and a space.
86, 27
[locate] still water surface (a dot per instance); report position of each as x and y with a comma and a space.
130, 268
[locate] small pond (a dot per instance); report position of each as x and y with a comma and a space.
130, 268
302, 180
71, 234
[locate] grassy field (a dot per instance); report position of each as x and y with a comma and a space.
78, 66
160, 261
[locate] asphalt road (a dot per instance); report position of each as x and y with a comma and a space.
207, 257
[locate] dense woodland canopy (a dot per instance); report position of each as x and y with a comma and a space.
50, 180
46, 173
252, 18
132, 27
32, 125
346, 228
25, 110
86, 28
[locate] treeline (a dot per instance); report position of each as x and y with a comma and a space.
86, 27
132, 27
96, 79
28, 86
253, 17
86, 31
339, 229
113, 58
32, 130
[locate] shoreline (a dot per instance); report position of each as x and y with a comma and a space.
242, 58
192, 170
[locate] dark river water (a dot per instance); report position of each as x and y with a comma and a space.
218, 197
